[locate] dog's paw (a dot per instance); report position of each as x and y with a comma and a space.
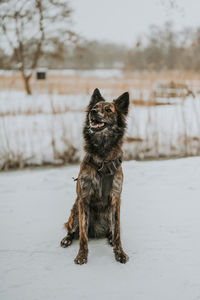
66, 241
121, 256
110, 242
81, 259
110, 239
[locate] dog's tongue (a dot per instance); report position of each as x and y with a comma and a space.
97, 125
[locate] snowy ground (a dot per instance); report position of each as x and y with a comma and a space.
160, 232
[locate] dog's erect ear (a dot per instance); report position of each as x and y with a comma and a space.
122, 103
96, 97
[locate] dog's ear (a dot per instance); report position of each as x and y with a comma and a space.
96, 97
122, 103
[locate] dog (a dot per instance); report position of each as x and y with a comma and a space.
96, 211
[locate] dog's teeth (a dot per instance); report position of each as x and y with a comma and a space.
94, 125
97, 125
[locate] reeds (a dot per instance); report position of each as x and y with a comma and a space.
47, 128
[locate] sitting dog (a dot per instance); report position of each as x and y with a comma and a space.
96, 211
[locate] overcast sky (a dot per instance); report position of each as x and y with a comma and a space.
124, 20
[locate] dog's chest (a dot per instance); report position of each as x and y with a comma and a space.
100, 188
96, 188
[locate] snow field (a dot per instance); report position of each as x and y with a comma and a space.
47, 129
160, 232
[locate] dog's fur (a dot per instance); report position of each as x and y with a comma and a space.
92, 214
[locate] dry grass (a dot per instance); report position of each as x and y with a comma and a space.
78, 84
149, 145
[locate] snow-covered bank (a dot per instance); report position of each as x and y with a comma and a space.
47, 129
160, 232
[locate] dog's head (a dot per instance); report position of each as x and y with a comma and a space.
105, 121
105, 115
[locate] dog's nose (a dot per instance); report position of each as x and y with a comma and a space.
94, 111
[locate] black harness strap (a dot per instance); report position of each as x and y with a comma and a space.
106, 172
106, 186
108, 167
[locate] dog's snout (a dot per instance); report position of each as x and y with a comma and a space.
94, 111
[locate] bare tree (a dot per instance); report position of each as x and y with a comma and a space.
29, 28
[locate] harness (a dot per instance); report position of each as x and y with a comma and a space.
106, 172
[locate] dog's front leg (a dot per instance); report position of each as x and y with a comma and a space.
120, 255
83, 234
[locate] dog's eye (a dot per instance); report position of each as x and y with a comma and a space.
108, 109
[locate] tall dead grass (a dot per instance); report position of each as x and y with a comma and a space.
79, 83
147, 136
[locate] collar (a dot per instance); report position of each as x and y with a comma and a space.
107, 167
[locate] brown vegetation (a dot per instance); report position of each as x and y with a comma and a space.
148, 145
80, 84
29, 23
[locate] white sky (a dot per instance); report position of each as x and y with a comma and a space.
124, 20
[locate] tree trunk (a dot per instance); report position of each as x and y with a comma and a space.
27, 84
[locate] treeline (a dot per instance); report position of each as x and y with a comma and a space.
165, 48
161, 49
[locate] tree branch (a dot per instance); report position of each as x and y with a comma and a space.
41, 28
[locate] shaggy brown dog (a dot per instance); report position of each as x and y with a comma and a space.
96, 211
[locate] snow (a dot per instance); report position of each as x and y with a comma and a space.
44, 129
160, 232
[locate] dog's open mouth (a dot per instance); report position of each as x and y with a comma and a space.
95, 124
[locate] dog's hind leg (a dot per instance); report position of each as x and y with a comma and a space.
71, 226
67, 240
110, 239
